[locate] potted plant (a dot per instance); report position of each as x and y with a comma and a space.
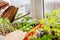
50, 29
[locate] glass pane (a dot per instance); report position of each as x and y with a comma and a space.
23, 5
50, 5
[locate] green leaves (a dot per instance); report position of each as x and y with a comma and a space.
48, 16
5, 26
45, 37
25, 24
51, 23
54, 12
18, 15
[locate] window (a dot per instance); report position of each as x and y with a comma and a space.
50, 5
23, 5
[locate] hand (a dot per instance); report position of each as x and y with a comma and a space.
16, 35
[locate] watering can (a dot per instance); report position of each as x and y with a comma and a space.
10, 13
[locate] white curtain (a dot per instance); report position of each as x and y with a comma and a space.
36, 9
